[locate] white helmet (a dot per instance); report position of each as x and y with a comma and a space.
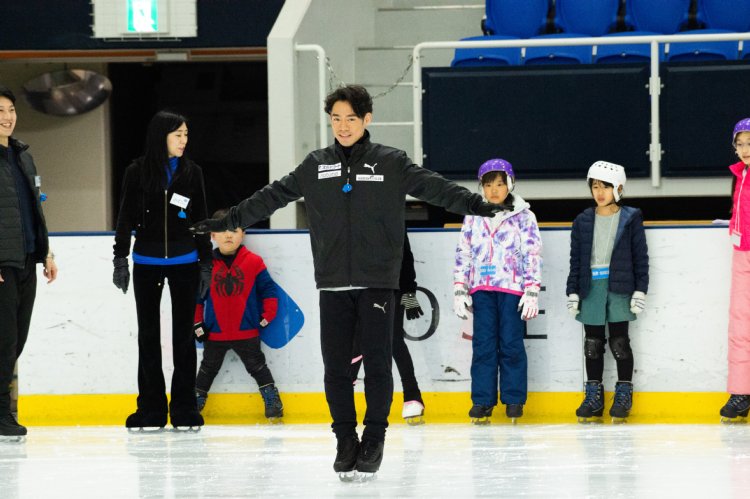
610, 173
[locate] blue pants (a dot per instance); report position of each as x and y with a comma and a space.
497, 348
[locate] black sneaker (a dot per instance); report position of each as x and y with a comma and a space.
370, 456
9, 427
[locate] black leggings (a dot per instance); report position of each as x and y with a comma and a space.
249, 353
618, 335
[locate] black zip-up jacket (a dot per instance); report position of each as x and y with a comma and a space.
159, 231
12, 250
357, 237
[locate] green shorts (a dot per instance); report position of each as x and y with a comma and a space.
602, 306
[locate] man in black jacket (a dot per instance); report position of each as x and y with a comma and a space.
23, 244
355, 194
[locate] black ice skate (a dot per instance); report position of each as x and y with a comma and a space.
186, 419
413, 412
370, 457
513, 412
10, 430
620, 409
480, 414
592, 407
142, 420
736, 409
274, 407
347, 451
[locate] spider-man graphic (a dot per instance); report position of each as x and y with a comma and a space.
229, 282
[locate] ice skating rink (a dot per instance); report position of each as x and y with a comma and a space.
456, 461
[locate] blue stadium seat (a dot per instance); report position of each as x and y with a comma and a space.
648, 17
657, 16
487, 56
580, 54
703, 51
731, 15
519, 18
719, 16
579, 19
626, 53
587, 17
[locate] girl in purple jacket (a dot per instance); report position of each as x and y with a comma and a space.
498, 274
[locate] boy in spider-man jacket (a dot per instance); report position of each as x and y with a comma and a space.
241, 300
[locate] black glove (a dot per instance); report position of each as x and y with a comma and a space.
411, 306
204, 285
210, 225
199, 329
489, 209
121, 275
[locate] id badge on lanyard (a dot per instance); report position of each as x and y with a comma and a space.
598, 273
736, 238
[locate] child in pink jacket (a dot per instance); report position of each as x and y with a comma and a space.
738, 382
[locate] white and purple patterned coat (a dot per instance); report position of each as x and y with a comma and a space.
501, 254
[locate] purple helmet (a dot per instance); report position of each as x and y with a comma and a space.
741, 126
498, 165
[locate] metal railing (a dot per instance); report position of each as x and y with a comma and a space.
654, 151
654, 85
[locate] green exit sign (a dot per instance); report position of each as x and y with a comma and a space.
142, 16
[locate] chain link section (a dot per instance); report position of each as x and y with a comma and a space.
332, 76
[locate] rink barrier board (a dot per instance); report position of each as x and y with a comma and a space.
83, 338
310, 408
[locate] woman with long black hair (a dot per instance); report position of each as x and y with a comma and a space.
162, 195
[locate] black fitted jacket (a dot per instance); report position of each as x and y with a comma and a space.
159, 231
357, 237
12, 251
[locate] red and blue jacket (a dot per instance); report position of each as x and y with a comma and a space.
241, 295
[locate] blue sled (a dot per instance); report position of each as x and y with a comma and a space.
288, 322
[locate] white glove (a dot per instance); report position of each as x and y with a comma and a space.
638, 302
461, 301
573, 302
529, 304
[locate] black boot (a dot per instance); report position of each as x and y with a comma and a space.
736, 407
9, 427
480, 414
182, 417
623, 400
200, 400
347, 451
146, 419
592, 406
514, 411
272, 401
370, 457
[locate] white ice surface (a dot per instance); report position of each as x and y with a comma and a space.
455, 461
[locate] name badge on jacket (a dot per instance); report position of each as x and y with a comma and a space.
599, 273
179, 201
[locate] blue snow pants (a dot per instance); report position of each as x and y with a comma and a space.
497, 349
